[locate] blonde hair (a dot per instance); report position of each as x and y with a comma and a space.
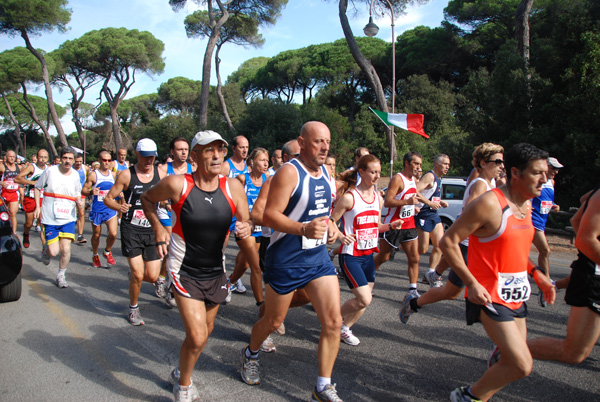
483, 152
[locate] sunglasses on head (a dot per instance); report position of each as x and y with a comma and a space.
496, 161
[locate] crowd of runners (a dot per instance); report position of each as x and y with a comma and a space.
175, 219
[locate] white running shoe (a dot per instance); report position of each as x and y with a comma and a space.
135, 317
61, 282
239, 287
185, 394
268, 346
434, 280
348, 337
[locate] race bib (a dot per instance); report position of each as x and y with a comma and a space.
513, 288
102, 194
31, 193
12, 186
436, 199
407, 211
63, 209
257, 229
545, 207
366, 239
139, 219
307, 243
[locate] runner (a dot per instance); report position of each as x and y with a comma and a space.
488, 163
10, 189
583, 291
28, 177
401, 198
277, 161
83, 172
137, 237
121, 163
98, 184
252, 182
298, 207
360, 211
428, 220
62, 192
195, 257
501, 234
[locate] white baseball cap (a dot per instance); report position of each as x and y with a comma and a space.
554, 163
206, 137
146, 147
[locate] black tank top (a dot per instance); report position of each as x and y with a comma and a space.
203, 219
135, 216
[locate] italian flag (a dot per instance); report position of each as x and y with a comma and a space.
409, 122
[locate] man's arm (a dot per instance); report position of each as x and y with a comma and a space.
89, 183
168, 188
586, 239
120, 185
22, 177
243, 225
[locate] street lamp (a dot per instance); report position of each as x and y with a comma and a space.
371, 30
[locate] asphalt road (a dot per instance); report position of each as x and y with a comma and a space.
76, 344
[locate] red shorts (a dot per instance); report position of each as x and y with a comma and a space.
29, 204
10, 196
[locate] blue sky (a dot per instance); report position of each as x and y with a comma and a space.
303, 22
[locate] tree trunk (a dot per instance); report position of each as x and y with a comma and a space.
522, 36
116, 126
61, 133
367, 68
219, 92
206, 66
18, 142
33, 114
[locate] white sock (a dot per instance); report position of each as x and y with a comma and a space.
322, 382
412, 286
430, 269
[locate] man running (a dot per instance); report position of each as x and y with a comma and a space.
98, 184
428, 221
298, 207
276, 160
195, 257
500, 232
58, 211
10, 189
137, 238
121, 163
401, 198
83, 172
583, 291
28, 177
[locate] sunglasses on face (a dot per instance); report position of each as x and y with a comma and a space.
496, 161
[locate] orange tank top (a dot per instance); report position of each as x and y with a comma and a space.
499, 262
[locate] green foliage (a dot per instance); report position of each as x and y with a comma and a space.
33, 16
179, 94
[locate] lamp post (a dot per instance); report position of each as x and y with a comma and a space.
371, 30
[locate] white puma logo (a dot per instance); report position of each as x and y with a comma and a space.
208, 199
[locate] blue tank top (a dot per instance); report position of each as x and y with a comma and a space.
170, 170
81, 172
542, 206
103, 184
233, 171
310, 199
432, 194
252, 194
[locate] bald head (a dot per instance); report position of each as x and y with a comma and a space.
290, 150
314, 143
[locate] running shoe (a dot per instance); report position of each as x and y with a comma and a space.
414, 291
61, 282
406, 310
185, 394
81, 239
250, 369
170, 299
348, 337
109, 258
494, 356
174, 376
161, 289
45, 256
96, 261
424, 279
434, 280
26, 240
135, 317
460, 395
268, 346
281, 329
329, 394
239, 287
230, 288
